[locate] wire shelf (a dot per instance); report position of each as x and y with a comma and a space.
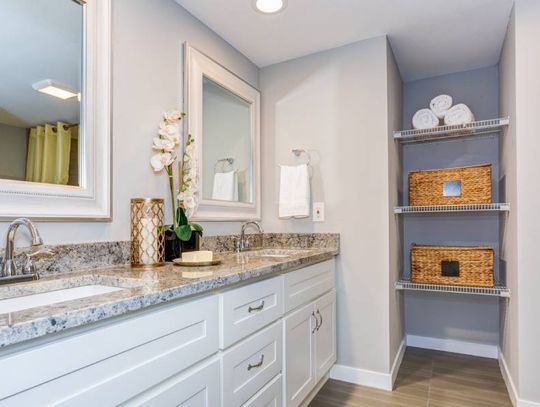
454, 131
493, 207
497, 291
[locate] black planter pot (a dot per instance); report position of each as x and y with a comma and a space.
174, 246
194, 243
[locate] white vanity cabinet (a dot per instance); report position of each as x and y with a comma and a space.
110, 364
261, 344
309, 331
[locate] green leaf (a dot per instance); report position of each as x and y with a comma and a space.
181, 217
196, 227
166, 227
183, 232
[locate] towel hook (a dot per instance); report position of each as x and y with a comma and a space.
299, 151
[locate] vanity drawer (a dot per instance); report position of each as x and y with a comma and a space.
271, 395
199, 387
247, 309
302, 286
250, 365
110, 364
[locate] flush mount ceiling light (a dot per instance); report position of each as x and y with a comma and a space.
269, 6
56, 89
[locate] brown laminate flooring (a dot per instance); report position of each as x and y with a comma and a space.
427, 378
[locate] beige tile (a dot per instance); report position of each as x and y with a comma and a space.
427, 378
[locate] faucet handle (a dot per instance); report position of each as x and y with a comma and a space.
28, 266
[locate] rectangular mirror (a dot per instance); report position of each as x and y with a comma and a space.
54, 138
41, 81
223, 117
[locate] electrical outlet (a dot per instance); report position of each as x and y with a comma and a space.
318, 211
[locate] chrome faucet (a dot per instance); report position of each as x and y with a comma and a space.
9, 269
243, 244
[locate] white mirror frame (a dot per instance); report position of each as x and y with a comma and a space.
196, 66
92, 199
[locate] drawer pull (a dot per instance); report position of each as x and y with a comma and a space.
316, 323
250, 366
320, 323
258, 308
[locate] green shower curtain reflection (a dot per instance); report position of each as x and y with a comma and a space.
48, 154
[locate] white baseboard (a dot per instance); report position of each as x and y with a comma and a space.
397, 361
455, 346
384, 381
512, 391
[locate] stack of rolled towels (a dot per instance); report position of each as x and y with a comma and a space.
441, 109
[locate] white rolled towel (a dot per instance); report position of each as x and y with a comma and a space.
458, 114
425, 119
440, 105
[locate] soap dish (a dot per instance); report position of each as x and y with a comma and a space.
183, 263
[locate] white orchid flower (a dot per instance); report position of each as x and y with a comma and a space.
170, 132
173, 117
189, 202
161, 160
163, 144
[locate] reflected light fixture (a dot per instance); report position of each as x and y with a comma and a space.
56, 89
269, 6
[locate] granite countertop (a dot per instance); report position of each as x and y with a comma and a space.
140, 288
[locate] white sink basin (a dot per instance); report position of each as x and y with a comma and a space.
53, 297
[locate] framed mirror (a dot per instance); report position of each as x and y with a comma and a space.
55, 154
223, 117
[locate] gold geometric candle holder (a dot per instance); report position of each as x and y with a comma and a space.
147, 239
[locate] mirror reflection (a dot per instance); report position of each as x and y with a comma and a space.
40, 90
227, 145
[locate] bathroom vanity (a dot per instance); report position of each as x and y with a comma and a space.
260, 331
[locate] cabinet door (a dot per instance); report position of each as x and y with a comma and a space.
325, 334
299, 334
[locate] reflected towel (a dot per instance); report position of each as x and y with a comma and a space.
440, 105
459, 114
294, 191
225, 186
425, 119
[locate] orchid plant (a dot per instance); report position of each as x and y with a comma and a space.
185, 202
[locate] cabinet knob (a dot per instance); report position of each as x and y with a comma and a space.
258, 308
259, 364
316, 323
320, 323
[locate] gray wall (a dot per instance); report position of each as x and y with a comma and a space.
335, 105
147, 80
13, 145
442, 316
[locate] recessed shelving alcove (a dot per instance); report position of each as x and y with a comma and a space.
491, 128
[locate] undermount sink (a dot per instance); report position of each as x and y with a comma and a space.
53, 297
273, 253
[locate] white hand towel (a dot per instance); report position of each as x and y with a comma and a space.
225, 186
459, 114
294, 191
425, 119
440, 105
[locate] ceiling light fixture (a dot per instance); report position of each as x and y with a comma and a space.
56, 89
269, 6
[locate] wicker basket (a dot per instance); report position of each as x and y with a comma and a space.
452, 265
450, 186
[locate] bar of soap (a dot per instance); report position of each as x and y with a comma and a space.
202, 255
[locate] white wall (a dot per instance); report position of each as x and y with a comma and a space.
147, 80
520, 87
334, 104
527, 18
396, 328
507, 105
